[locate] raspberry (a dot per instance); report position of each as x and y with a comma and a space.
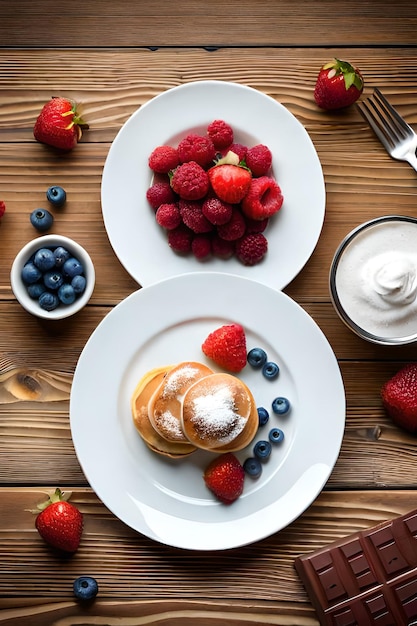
220, 133
251, 248
235, 227
160, 193
222, 248
180, 238
256, 226
259, 160
190, 181
216, 211
263, 199
168, 216
192, 216
163, 159
201, 246
196, 148
2, 208
239, 149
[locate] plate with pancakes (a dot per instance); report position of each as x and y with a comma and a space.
256, 118
154, 337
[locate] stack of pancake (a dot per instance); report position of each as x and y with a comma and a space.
179, 409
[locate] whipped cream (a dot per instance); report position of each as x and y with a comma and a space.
376, 279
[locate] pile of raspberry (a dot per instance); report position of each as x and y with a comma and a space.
197, 222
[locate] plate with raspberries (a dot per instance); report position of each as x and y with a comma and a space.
213, 176
281, 464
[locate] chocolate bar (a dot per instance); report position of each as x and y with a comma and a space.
366, 579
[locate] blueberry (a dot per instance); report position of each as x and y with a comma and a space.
280, 405
276, 435
41, 219
270, 370
53, 279
61, 255
257, 357
253, 467
263, 416
72, 267
78, 283
66, 294
44, 259
35, 290
48, 301
262, 450
56, 196
85, 588
30, 273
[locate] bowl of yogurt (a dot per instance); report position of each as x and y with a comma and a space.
373, 280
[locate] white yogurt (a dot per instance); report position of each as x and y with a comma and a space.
374, 279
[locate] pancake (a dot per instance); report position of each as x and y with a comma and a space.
165, 405
139, 404
219, 413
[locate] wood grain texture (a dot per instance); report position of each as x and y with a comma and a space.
112, 62
112, 85
138, 578
196, 22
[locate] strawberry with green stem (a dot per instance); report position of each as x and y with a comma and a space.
230, 179
59, 124
338, 85
59, 522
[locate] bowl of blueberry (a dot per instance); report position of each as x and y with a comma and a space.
52, 277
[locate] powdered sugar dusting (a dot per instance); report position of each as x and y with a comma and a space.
177, 379
215, 415
169, 424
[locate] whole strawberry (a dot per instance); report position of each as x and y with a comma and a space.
60, 523
226, 346
2, 208
338, 85
230, 182
225, 477
59, 124
399, 398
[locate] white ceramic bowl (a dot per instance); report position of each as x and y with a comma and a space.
20, 290
373, 280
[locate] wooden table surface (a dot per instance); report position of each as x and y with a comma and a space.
112, 58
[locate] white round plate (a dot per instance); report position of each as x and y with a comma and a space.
141, 245
164, 324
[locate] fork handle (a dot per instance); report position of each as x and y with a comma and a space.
412, 160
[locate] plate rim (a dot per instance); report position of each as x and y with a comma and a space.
117, 235
323, 472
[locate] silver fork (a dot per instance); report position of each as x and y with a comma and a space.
397, 137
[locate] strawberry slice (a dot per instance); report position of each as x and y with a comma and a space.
225, 478
226, 346
229, 182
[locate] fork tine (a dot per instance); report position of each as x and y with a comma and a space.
397, 121
367, 108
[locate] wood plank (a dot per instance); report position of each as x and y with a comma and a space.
118, 558
217, 23
354, 163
